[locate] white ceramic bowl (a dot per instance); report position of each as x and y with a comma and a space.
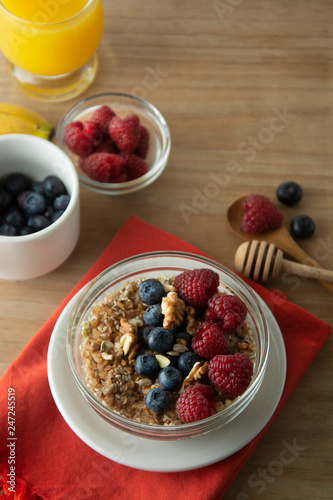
32, 255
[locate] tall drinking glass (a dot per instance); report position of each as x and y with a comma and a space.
50, 45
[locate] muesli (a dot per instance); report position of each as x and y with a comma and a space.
146, 343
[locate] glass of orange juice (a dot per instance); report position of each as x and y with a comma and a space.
50, 45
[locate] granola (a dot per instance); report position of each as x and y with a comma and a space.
112, 340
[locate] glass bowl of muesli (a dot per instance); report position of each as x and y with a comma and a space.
168, 345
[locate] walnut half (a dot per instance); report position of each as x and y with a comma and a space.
192, 324
199, 369
173, 309
129, 336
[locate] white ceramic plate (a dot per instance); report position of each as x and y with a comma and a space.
162, 456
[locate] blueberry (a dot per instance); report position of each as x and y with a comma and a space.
16, 183
24, 230
61, 202
34, 204
37, 187
14, 217
144, 332
175, 329
56, 215
53, 187
157, 400
170, 378
302, 226
186, 361
7, 230
38, 222
184, 336
5, 199
146, 365
160, 339
289, 193
153, 315
49, 211
150, 291
20, 197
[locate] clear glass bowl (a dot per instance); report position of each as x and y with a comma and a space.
150, 265
122, 105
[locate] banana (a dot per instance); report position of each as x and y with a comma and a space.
19, 120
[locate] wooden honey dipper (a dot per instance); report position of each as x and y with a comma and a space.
260, 260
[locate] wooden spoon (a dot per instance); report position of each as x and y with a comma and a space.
280, 237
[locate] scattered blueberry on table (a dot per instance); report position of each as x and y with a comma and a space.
302, 226
289, 193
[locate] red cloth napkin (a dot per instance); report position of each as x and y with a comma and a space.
52, 463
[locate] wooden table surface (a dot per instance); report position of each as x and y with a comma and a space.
220, 72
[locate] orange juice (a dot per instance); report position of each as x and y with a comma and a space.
50, 37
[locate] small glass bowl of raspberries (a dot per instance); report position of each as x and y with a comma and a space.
168, 345
119, 143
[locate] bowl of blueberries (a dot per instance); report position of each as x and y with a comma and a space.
39, 207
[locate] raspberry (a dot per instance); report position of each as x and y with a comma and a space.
125, 132
93, 133
81, 138
104, 167
229, 308
102, 117
260, 214
208, 341
142, 148
195, 403
196, 286
231, 373
106, 147
211, 316
134, 165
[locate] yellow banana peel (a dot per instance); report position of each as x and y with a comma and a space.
20, 120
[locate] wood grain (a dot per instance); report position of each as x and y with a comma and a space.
223, 71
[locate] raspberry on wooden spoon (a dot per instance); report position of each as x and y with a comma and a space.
260, 214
